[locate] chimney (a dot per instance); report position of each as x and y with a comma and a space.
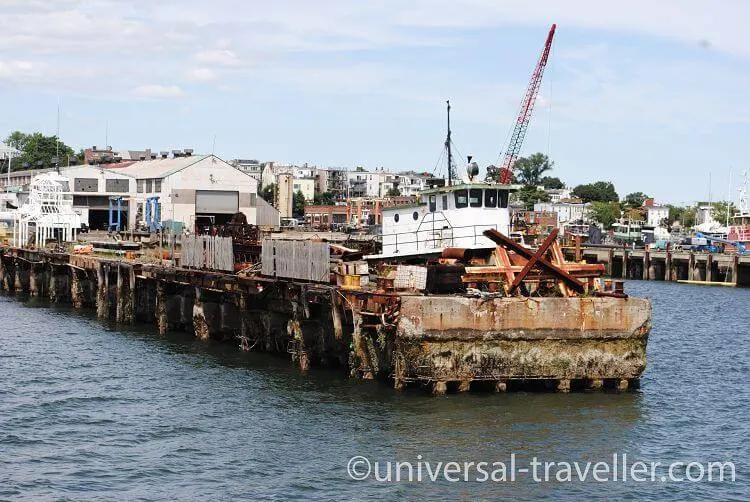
153, 156
142, 157
93, 148
164, 155
188, 152
176, 153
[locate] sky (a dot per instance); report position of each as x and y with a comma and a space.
649, 95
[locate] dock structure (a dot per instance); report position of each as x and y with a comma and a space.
408, 338
677, 266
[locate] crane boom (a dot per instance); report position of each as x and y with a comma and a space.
524, 115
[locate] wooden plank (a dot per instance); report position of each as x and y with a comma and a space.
571, 281
551, 238
558, 258
502, 255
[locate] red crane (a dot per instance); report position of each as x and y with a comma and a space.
524, 115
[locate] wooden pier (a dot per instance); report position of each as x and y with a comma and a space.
441, 342
650, 265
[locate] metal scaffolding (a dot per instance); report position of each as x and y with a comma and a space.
48, 210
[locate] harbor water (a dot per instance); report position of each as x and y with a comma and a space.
90, 411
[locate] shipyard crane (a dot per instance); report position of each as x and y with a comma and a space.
524, 115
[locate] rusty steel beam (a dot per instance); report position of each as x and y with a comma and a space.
568, 279
533, 260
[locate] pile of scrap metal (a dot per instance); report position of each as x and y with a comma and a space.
348, 269
512, 269
246, 239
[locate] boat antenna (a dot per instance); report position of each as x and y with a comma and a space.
448, 146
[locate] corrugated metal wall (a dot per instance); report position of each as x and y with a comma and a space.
266, 214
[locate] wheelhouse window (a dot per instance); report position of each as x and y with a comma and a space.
490, 198
433, 204
475, 197
503, 198
445, 202
462, 198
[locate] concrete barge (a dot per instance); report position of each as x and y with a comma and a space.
449, 342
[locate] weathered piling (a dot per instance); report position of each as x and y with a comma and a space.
443, 343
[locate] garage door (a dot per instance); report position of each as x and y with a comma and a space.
216, 202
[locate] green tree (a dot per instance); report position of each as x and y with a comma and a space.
493, 174
605, 213
268, 193
723, 210
38, 151
529, 169
323, 199
635, 199
551, 183
684, 215
393, 192
298, 204
601, 191
530, 195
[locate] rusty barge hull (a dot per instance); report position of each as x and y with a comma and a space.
502, 339
442, 342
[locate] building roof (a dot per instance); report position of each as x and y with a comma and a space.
157, 168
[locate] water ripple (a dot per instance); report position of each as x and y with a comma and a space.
92, 413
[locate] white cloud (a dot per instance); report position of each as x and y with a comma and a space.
21, 71
155, 91
201, 75
222, 57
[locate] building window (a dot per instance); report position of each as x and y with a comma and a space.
157, 185
139, 186
118, 186
490, 198
85, 185
149, 186
433, 203
462, 198
475, 197
395, 217
503, 198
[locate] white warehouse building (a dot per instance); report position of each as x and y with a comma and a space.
192, 190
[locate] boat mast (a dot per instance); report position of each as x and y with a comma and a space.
448, 146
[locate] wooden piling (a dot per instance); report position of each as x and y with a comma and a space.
102, 291
162, 320
563, 385
439, 388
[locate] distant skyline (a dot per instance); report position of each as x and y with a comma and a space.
648, 95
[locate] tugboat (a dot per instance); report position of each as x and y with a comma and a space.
447, 215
